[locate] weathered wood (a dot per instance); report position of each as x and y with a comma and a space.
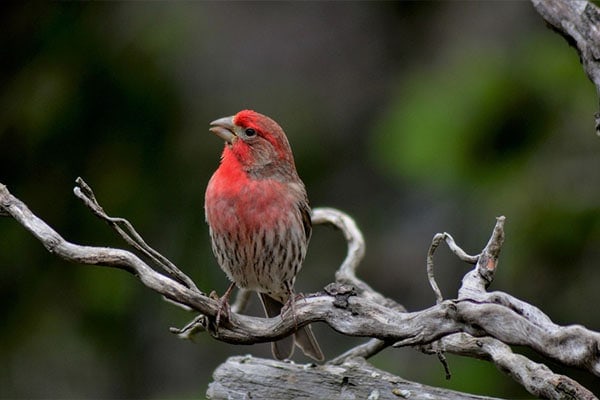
578, 21
242, 378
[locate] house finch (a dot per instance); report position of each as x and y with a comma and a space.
259, 217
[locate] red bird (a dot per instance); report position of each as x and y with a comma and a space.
259, 217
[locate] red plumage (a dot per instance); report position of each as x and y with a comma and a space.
259, 216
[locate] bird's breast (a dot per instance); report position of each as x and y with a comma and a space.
256, 231
236, 202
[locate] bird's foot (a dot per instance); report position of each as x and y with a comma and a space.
223, 307
223, 310
290, 305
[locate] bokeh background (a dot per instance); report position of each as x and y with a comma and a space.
415, 118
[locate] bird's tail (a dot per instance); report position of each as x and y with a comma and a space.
303, 338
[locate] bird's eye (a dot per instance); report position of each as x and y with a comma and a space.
250, 132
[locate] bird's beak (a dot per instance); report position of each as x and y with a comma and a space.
223, 128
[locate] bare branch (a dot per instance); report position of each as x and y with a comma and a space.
129, 234
249, 377
192, 328
477, 280
435, 242
353, 235
537, 378
365, 350
353, 308
488, 259
346, 274
460, 253
103, 256
578, 21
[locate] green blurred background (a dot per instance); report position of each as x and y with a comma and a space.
415, 118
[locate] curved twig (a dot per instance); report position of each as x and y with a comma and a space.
126, 230
346, 273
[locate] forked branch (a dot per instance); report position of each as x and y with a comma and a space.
476, 324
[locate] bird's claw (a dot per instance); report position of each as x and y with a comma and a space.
290, 305
223, 307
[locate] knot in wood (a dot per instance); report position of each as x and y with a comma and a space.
341, 293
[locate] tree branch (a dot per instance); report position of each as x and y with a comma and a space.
536, 378
352, 307
255, 378
578, 21
126, 230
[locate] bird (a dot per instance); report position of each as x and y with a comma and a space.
259, 218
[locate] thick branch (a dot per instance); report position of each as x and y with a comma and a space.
578, 21
256, 378
537, 378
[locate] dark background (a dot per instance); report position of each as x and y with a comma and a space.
415, 118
